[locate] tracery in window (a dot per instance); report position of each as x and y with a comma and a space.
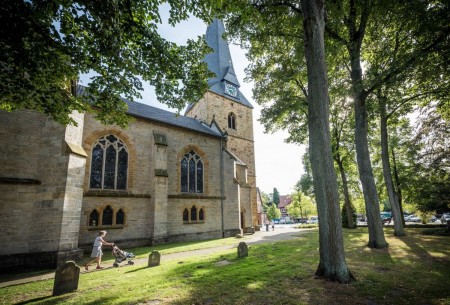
191, 173
232, 121
109, 166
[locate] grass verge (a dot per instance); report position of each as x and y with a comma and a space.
413, 270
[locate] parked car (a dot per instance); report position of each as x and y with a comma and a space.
445, 218
313, 220
413, 218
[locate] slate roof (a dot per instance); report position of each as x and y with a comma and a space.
163, 116
219, 62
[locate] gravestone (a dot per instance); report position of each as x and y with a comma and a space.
154, 259
66, 278
242, 249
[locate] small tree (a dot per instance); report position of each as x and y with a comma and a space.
276, 196
273, 212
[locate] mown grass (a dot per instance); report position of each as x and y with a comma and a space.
414, 270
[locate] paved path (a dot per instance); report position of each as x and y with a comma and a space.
281, 232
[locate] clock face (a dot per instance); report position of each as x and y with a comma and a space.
231, 90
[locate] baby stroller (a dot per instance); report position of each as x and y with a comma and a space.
121, 256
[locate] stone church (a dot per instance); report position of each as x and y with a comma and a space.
165, 178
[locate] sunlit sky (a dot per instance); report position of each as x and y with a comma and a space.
278, 164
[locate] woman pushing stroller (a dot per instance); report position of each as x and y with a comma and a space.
97, 250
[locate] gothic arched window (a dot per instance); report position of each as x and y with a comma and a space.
201, 215
232, 121
120, 217
193, 213
93, 218
186, 215
191, 173
107, 216
109, 166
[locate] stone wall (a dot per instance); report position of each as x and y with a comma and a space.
240, 140
40, 183
153, 202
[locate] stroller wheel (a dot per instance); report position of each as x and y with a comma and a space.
130, 263
116, 265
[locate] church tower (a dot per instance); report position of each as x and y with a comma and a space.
227, 106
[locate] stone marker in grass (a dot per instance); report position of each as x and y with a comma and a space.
66, 278
154, 259
242, 249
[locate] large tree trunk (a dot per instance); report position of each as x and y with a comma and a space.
347, 202
393, 199
332, 265
374, 223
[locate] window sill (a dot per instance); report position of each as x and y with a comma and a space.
96, 228
193, 222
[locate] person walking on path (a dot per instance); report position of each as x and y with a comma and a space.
267, 224
97, 250
273, 225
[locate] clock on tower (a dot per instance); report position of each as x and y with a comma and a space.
231, 89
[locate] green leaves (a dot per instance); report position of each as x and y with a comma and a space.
48, 44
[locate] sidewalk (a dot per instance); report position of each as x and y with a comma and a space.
282, 232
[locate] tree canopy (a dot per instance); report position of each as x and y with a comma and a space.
47, 45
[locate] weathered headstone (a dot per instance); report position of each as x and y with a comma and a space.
242, 249
66, 278
154, 259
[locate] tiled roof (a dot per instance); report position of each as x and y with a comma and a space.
163, 116
284, 201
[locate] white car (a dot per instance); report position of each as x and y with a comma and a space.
313, 220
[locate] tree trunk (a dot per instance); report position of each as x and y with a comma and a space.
332, 265
393, 199
374, 224
347, 202
397, 185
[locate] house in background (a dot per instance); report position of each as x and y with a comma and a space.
285, 200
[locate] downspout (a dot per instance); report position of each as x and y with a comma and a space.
222, 182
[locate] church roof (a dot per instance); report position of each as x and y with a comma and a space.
219, 62
163, 116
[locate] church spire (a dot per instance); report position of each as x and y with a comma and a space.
225, 82
219, 61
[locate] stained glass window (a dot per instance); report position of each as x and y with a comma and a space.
107, 216
109, 167
97, 167
201, 216
192, 172
120, 217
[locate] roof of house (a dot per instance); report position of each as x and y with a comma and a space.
284, 201
163, 116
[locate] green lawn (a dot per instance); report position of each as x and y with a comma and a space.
414, 270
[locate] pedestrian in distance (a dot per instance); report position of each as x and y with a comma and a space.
273, 225
97, 253
267, 225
